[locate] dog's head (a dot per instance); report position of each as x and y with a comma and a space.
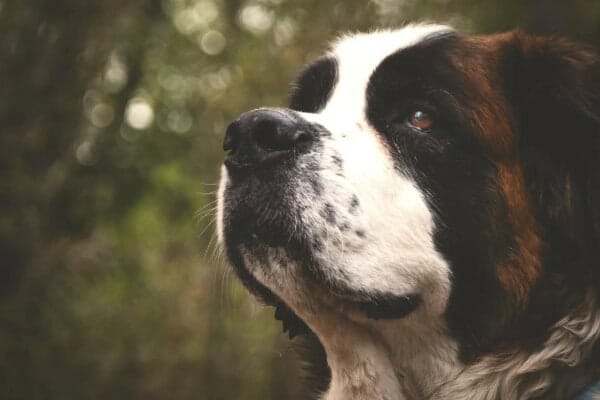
423, 175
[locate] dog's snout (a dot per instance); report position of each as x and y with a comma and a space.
261, 135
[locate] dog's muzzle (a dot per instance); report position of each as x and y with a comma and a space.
272, 167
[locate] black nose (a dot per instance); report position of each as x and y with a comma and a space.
264, 135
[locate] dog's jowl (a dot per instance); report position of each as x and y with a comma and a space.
427, 211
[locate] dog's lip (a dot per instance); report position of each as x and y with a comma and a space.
390, 307
373, 306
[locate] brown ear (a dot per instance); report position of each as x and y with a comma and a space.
555, 88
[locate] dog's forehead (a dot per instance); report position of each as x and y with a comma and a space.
358, 55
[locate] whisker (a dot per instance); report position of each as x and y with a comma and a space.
210, 193
207, 211
211, 242
225, 278
211, 222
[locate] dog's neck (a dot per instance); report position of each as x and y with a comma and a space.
372, 361
422, 362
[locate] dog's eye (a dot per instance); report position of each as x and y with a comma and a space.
420, 119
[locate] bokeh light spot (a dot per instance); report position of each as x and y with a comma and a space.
85, 153
115, 74
187, 21
213, 42
284, 31
179, 121
101, 115
139, 113
207, 11
256, 19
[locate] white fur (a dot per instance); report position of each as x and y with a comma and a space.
221, 204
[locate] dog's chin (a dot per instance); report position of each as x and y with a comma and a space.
287, 275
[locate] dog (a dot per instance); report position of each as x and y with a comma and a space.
428, 209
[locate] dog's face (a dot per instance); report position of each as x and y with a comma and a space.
401, 183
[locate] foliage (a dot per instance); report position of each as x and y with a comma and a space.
111, 117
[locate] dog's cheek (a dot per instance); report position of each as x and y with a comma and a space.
374, 221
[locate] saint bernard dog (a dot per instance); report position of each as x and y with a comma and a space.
427, 210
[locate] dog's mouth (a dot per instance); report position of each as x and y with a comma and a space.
248, 242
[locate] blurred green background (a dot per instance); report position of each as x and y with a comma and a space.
111, 118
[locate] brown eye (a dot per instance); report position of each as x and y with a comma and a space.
421, 120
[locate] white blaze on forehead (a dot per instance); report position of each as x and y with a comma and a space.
358, 55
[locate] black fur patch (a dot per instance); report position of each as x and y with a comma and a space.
314, 85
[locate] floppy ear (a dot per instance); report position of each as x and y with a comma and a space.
556, 92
